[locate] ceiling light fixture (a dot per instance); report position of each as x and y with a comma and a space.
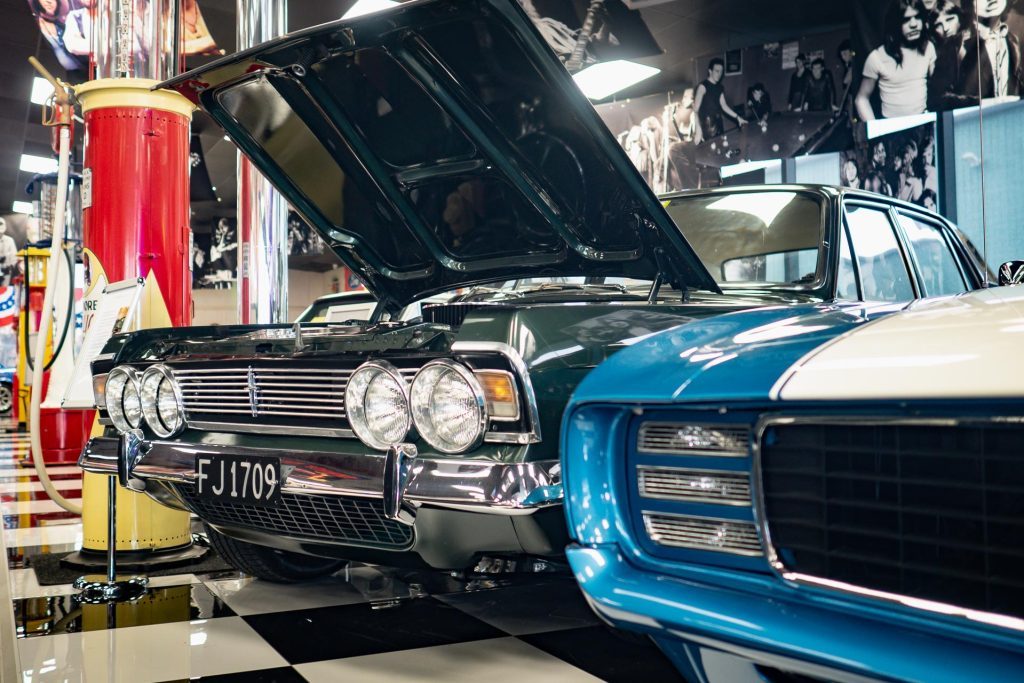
368, 7
22, 207
600, 80
41, 90
33, 164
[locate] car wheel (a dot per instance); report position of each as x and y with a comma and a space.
6, 398
270, 564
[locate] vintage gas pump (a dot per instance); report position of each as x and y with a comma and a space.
135, 207
33, 286
62, 432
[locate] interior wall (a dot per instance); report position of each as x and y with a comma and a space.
987, 179
214, 306
220, 306
818, 168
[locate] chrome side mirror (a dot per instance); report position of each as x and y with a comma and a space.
1011, 273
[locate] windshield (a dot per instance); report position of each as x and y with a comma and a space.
332, 309
756, 238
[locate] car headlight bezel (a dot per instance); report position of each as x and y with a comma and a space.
153, 381
422, 401
117, 380
355, 403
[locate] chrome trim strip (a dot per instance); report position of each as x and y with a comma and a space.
243, 371
742, 478
690, 540
798, 579
522, 372
477, 485
682, 451
270, 429
517, 438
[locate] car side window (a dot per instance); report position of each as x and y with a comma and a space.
846, 277
936, 263
883, 272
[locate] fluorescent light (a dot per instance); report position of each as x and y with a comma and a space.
600, 80
368, 7
22, 207
41, 90
34, 164
885, 126
747, 167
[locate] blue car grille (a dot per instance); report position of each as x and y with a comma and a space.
690, 488
920, 510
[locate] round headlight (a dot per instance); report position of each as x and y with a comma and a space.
377, 404
132, 404
122, 398
161, 401
448, 406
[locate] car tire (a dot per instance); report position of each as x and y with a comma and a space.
271, 564
6, 398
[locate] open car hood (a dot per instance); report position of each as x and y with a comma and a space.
440, 144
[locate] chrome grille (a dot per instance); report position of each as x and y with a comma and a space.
687, 438
702, 533
252, 396
325, 518
694, 486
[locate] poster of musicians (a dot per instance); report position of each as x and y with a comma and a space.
902, 164
816, 94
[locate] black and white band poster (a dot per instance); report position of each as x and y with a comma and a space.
819, 93
901, 164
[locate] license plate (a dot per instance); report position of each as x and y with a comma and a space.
239, 479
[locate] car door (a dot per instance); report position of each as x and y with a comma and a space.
879, 259
935, 256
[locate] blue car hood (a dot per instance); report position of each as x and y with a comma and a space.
734, 357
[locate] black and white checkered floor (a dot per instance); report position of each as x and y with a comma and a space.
363, 624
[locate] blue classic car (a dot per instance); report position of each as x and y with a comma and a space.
822, 491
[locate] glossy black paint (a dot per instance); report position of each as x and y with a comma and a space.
441, 144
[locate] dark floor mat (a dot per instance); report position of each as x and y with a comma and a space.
50, 572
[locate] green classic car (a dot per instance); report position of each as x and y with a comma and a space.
442, 146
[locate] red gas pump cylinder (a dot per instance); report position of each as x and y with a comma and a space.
135, 214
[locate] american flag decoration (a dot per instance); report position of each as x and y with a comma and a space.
8, 306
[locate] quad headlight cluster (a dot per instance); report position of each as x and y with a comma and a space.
447, 404
130, 398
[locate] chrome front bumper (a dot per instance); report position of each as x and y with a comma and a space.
404, 480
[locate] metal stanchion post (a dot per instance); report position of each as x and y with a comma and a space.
99, 589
